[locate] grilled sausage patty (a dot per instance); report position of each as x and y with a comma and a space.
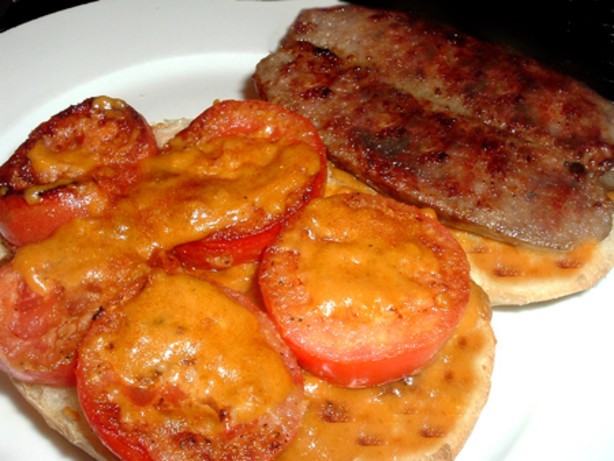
491, 140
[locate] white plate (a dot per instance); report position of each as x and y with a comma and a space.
553, 391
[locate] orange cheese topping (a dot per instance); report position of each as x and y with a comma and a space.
340, 181
108, 104
340, 423
193, 191
241, 278
372, 274
505, 261
184, 338
186, 194
52, 165
402, 419
99, 250
396, 419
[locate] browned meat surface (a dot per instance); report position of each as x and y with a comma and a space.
491, 140
461, 74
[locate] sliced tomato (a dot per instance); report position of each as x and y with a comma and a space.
74, 164
22, 223
188, 370
219, 252
39, 333
51, 290
364, 289
265, 161
25, 319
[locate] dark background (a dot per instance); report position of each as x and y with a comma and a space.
15, 12
573, 36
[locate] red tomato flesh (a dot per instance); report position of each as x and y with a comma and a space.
364, 289
74, 164
23, 223
51, 290
25, 319
188, 370
215, 253
280, 166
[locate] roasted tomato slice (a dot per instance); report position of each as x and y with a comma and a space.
25, 319
364, 289
264, 162
74, 164
222, 252
189, 371
22, 222
51, 290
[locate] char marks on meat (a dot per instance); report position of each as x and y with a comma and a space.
491, 140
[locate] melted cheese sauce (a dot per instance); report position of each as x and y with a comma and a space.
398, 419
505, 261
193, 191
101, 251
51, 165
388, 271
186, 194
183, 338
107, 104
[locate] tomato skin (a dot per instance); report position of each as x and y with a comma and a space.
216, 253
75, 164
143, 408
252, 119
364, 289
113, 438
356, 373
